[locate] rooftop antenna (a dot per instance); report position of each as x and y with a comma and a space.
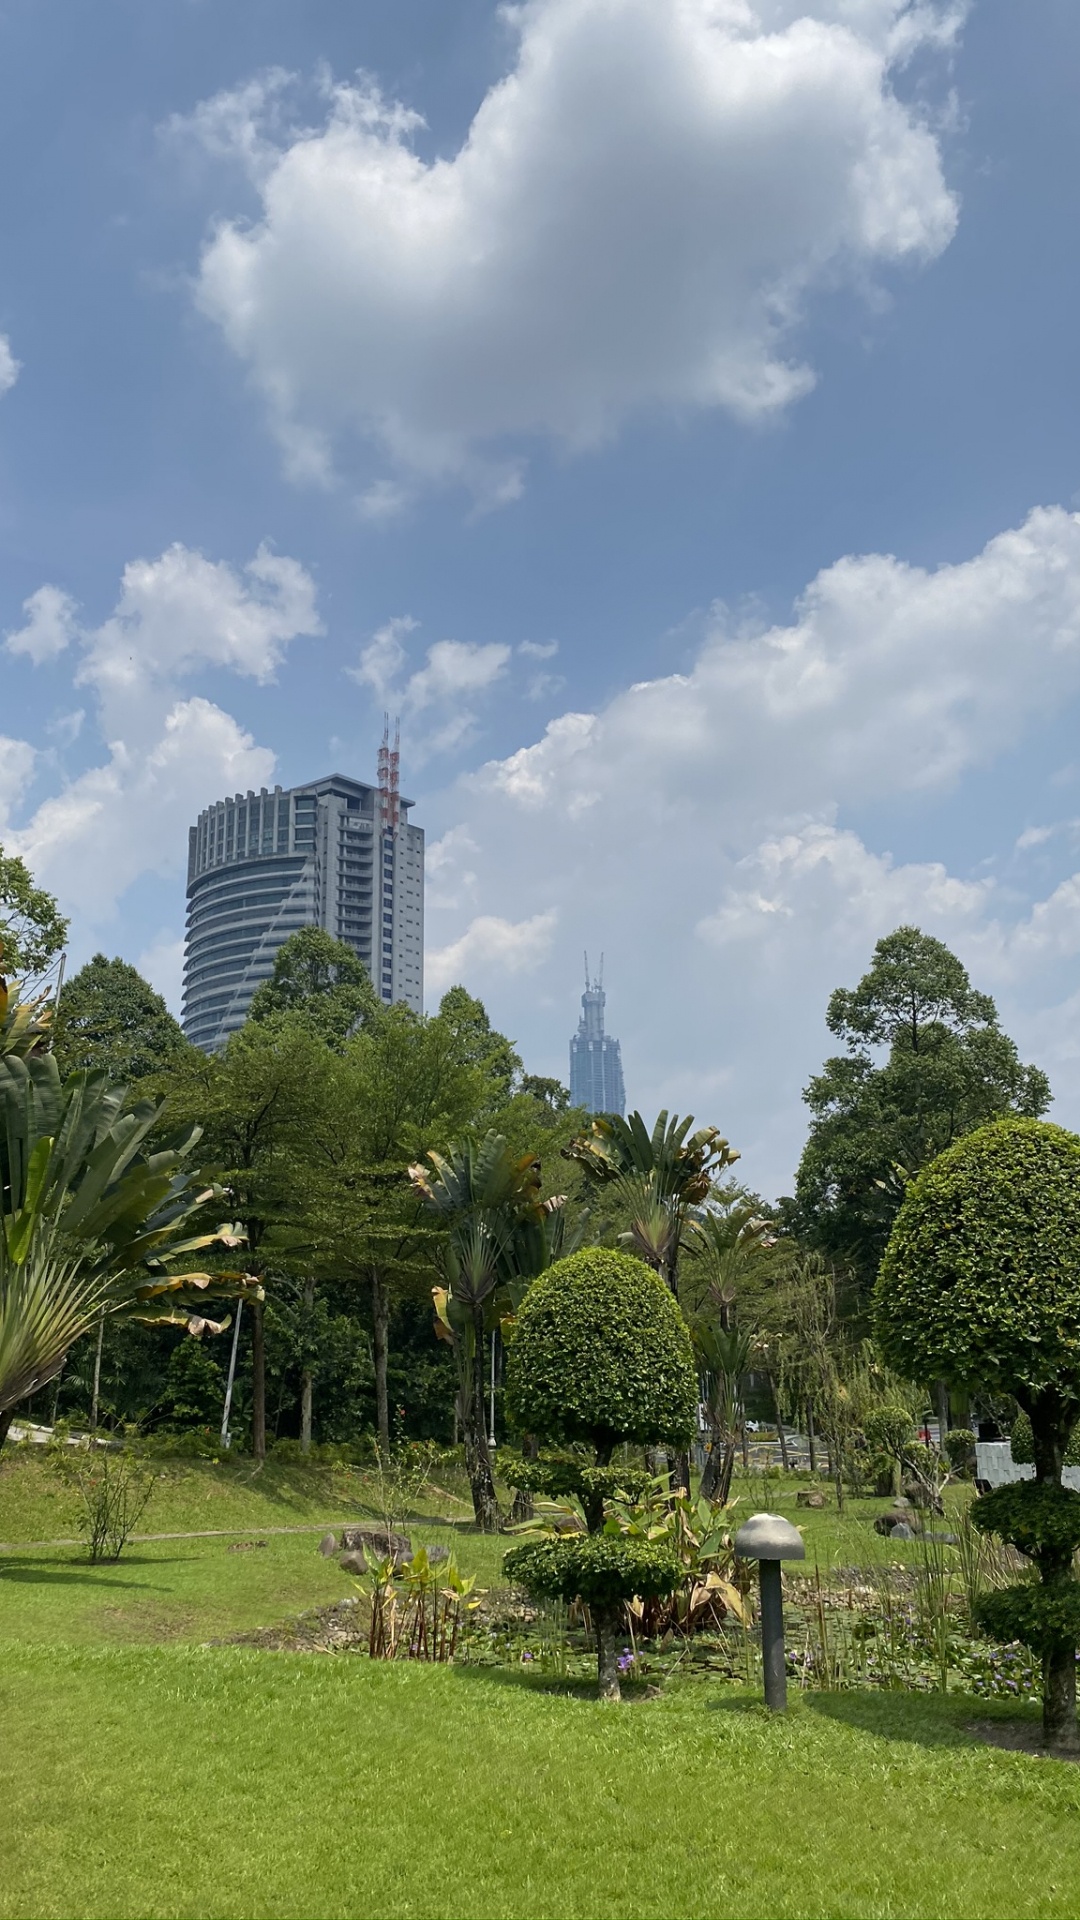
586, 969
390, 777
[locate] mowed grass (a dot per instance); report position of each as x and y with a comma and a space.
145, 1773
159, 1781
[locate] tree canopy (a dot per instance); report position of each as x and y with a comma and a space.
32, 928
110, 1018
321, 979
925, 1063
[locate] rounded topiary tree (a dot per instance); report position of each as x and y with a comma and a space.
600, 1354
980, 1286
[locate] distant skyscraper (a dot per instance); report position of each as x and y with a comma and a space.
596, 1076
334, 854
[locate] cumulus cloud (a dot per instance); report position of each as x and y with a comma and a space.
705, 829
10, 368
51, 625
635, 220
168, 752
453, 674
17, 759
491, 946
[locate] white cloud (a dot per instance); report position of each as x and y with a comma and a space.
168, 752
703, 829
51, 625
491, 946
17, 758
636, 218
10, 368
162, 963
453, 674
454, 668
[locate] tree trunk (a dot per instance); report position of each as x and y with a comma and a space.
941, 1404
380, 1321
477, 1456
522, 1510
307, 1376
810, 1435
7, 1415
1061, 1734
607, 1622
780, 1434
258, 1381
97, 1372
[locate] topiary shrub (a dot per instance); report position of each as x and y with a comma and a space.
600, 1353
568, 1478
980, 1286
603, 1570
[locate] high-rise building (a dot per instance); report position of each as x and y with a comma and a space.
596, 1075
334, 854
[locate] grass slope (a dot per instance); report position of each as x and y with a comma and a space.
155, 1782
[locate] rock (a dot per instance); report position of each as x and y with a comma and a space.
901, 1512
901, 1531
436, 1555
377, 1542
944, 1539
809, 1497
328, 1545
354, 1563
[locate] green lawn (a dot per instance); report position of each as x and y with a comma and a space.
154, 1781
145, 1773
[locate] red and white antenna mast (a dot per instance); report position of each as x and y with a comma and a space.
390, 777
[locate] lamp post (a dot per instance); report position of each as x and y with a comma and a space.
769, 1539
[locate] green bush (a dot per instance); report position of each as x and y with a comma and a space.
1044, 1615
1039, 1520
980, 1282
601, 1353
1023, 1446
602, 1569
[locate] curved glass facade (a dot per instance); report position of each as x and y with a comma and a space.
261, 865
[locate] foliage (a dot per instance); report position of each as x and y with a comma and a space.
417, 1610
477, 1044
958, 1446
699, 1533
980, 1284
113, 1488
110, 1019
194, 1389
501, 1233
1023, 1445
602, 1569
25, 1024
601, 1354
1037, 1519
32, 928
1045, 1616
93, 1217
654, 1178
323, 982
947, 1070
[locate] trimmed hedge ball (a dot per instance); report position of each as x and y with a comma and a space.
601, 1353
980, 1281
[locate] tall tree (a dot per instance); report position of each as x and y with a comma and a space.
481, 1045
260, 1102
323, 981
32, 927
925, 1062
400, 1088
110, 1018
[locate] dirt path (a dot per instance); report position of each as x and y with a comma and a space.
216, 1533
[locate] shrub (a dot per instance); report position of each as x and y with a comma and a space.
113, 1490
1023, 1446
980, 1286
601, 1353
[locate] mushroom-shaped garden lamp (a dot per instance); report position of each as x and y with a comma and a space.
768, 1539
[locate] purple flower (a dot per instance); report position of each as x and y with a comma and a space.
526, 1655
625, 1660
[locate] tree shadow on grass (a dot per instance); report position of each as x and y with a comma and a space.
921, 1720
46, 1573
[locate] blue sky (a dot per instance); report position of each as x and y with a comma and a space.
669, 406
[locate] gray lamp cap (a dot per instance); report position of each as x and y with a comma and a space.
768, 1536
